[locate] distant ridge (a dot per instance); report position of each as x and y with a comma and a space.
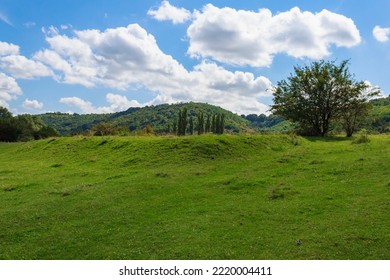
159, 117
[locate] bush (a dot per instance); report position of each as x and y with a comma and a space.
146, 131
103, 129
362, 138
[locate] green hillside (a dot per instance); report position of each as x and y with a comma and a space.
160, 117
380, 115
200, 197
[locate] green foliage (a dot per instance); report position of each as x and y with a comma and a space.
379, 117
208, 124
161, 117
262, 121
147, 131
319, 95
22, 127
191, 128
9, 129
362, 137
70, 124
104, 129
183, 121
200, 127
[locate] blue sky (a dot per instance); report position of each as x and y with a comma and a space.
105, 56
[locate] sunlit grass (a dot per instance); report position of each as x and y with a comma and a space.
208, 197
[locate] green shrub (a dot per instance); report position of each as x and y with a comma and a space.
362, 137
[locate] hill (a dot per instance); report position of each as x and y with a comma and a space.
380, 115
160, 117
200, 197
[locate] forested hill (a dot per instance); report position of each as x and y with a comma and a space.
160, 117
380, 115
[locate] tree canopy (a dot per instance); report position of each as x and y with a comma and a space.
318, 96
22, 127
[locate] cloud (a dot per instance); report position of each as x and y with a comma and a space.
240, 37
129, 58
21, 67
5, 19
168, 12
381, 34
29, 24
9, 90
116, 103
32, 104
8, 49
84, 106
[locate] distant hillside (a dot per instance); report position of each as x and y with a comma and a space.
380, 115
160, 117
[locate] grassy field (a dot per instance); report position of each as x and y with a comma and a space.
201, 197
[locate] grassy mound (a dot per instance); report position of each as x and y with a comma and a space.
201, 197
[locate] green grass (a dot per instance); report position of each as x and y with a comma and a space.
201, 197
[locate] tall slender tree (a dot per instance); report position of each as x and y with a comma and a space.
191, 126
183, 121
174, 129
200, 123
222, 124
217, 124
213, 124
208, 124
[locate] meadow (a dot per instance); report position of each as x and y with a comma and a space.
199, 197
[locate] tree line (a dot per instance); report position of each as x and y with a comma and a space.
214, 123
22, 127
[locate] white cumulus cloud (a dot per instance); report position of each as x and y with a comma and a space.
381, 34
116, 103
168, 12
23, 68
8, 49
32, 104
129, 58
19, 66
241, 37
9, 90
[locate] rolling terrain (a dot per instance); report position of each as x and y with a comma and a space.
200, 197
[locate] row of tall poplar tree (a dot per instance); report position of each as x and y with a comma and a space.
214, 123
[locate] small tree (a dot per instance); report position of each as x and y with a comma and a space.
104, 129
147, 131
319, 94
354, 117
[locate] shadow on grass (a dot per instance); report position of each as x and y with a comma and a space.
328, 138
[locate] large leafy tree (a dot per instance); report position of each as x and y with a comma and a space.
22, 127
319, 95
9, 130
